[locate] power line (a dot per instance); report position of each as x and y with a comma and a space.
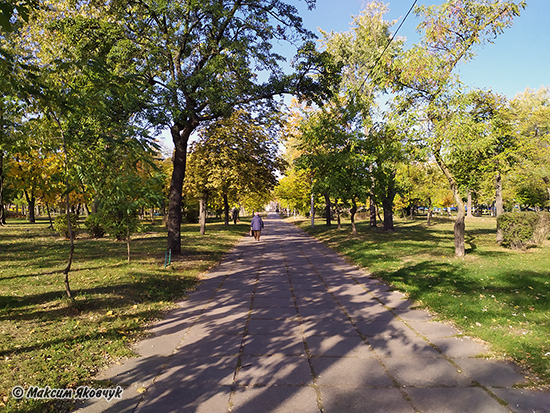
391, 40
395, 34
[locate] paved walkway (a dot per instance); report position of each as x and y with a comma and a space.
286, 325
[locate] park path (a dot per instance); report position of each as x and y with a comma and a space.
286, 325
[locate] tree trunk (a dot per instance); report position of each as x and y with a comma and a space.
372, 210
180, 137
2, 210
459, 227
429, 211
67, 206
327, 208
31, 201
202, 213
499, 204
387, 203
225, 209
49, 216
338, 217
469, 205
352, 212
128, 241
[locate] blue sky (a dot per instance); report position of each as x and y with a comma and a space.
518, 58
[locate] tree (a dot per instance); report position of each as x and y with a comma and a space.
424, 185
364, 53
204, 59
13, 9
425, 73
488, 146
87, 90
531, 118
234, 157
294, 191
333, 151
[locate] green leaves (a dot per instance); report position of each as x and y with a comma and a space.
234, 157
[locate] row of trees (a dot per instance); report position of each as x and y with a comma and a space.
93, 82
88, 85
434, 142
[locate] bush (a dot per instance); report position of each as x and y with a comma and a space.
191, 215
523, 229
60, 225
94, 225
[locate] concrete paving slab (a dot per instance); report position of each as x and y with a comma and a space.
312, 296
459, 347
350, 291
271, 290
360, 301
335, 312
363, 400
263, 345
206, 345
224, 313
275, 399
338, 346
383, 326
493, 373
274, 370
316, 302
523, 400
199, 398
214, 328
298, 287
350, 372
432, 329
186, 369
371, 311
454, 400
286, 327
275, 313
408, 314
260, 301
324, 327
425, 372
402, 346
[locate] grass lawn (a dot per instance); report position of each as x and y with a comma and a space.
496, 294
47, 340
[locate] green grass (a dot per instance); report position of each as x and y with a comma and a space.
47, 340
496, 294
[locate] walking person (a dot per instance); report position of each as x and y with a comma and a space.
256, 226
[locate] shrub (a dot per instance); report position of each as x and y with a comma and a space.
543, 230
523, 229
94, 225
60, 225
191, 215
